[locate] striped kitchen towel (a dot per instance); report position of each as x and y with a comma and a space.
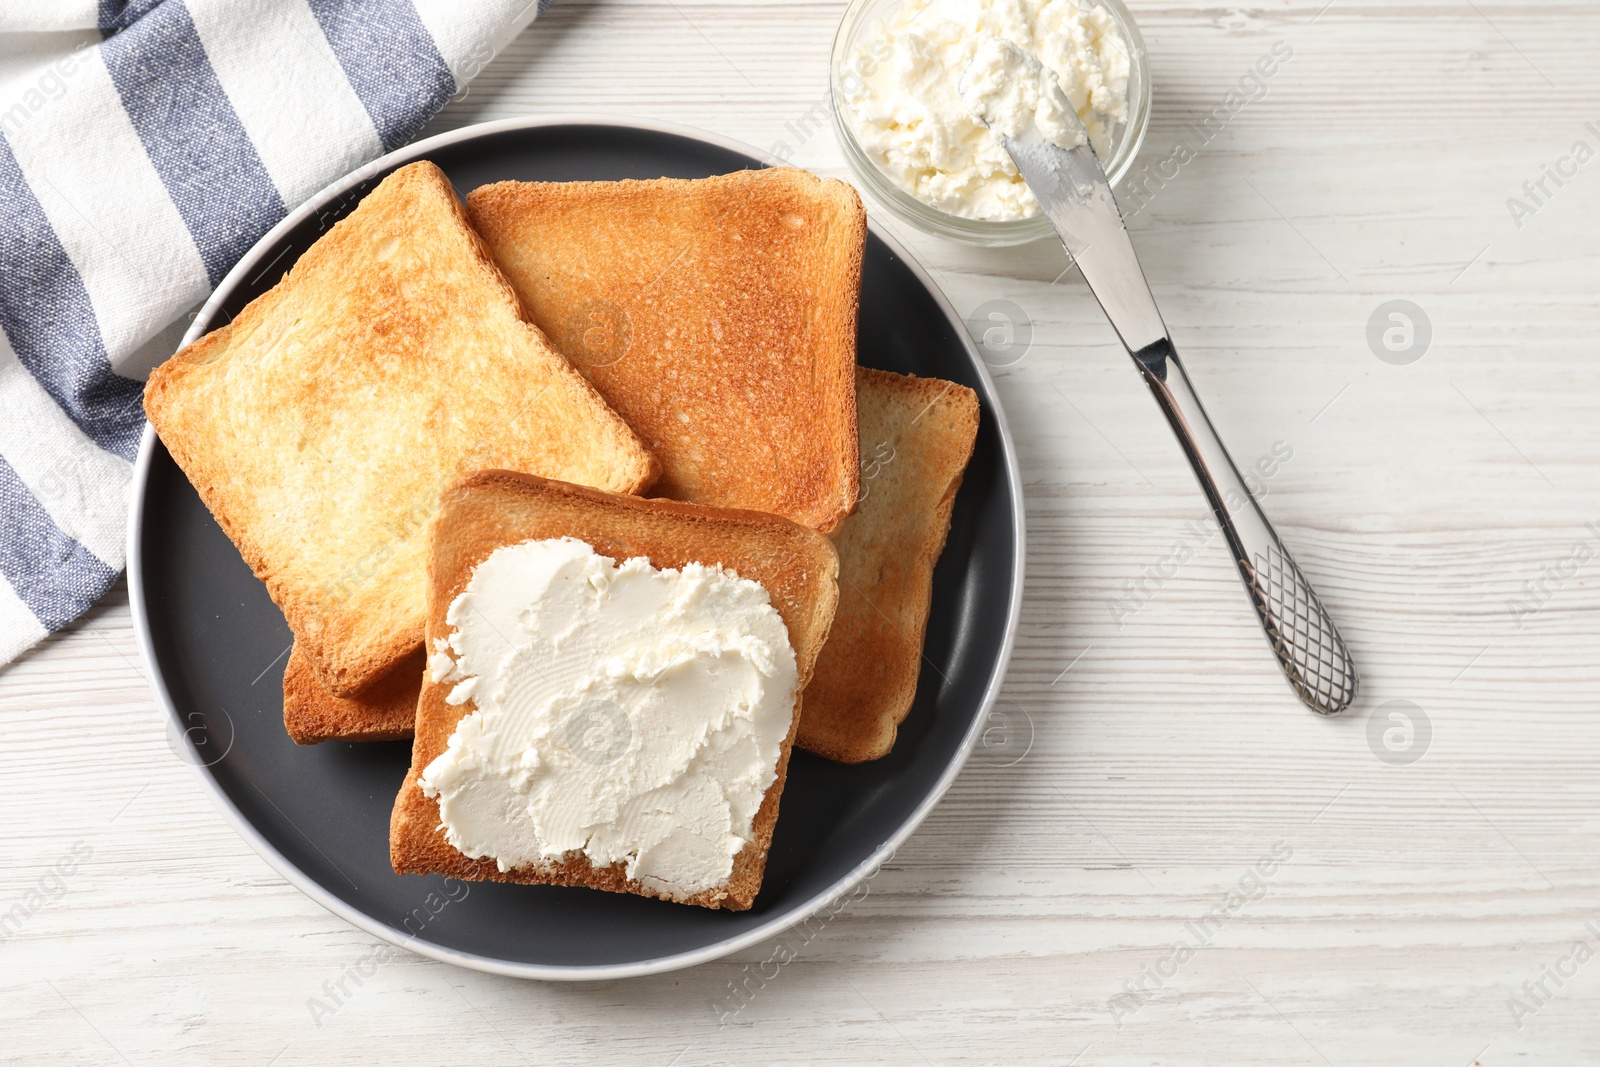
135, 170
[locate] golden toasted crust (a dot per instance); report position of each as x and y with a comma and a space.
490, 509
385, 711
916, 438
320, 425
717, 316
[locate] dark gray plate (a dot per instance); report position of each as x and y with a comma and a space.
215, 643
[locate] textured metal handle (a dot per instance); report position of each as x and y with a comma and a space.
1297, 626
1308, 646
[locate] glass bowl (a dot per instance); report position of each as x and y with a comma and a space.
1126, 137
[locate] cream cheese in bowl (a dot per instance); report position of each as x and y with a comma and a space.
1009, 91
912, 140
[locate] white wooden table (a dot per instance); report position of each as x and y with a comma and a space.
1440, 506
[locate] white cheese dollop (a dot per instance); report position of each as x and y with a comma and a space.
905, 107
1011, 92
632, 714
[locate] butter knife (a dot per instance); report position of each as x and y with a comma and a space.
1071, 187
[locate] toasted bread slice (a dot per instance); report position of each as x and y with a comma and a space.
916, 438
321, 424
491, 509
717, 316
384, 711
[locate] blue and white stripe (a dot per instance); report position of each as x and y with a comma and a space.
134, 172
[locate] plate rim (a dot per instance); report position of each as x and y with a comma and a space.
489, 964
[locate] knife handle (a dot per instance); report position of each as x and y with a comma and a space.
1308, 646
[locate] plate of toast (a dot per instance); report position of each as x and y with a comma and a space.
572, 548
